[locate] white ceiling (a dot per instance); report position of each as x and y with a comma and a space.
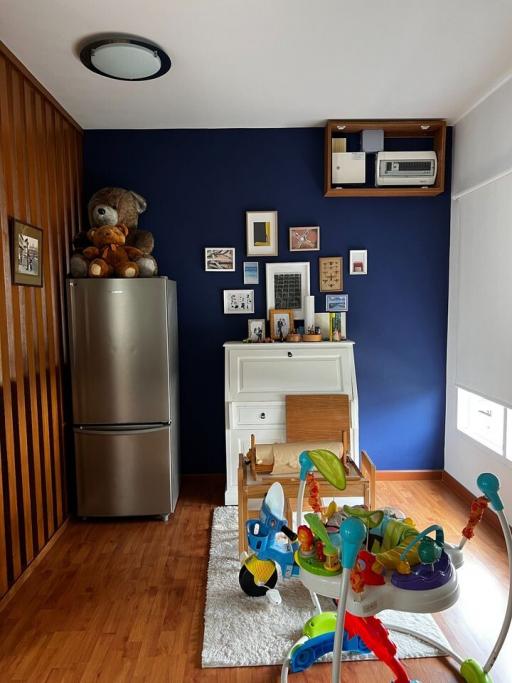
269, 63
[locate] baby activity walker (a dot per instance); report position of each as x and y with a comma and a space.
366, 561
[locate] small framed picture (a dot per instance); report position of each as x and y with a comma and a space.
336, 302
261, 233
251, 273
281, 323
27, 254
239, 301
256, 329
305, 239
287, 285
358, 262
331, 273
219, 259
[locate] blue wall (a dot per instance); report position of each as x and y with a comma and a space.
200, 183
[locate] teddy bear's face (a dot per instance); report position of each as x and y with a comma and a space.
114, 206
108, 234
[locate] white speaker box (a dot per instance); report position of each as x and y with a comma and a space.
348, 168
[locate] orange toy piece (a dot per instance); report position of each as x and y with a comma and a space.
314, 493
306, 540
363, 574
319, 548
476, 513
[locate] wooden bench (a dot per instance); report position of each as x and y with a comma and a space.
311, 418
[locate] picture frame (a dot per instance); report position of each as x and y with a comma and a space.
358, 262
336, 303
287, 284
305, 238
219, 259
330, 270
262, 236
256, 329
281, 323
238, 301
251, 273
26, 254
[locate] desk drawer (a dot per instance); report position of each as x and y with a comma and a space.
272, 373
258, 415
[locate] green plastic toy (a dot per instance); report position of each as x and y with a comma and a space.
329, 466
472, 672
319, 531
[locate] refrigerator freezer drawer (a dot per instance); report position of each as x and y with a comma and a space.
124, 473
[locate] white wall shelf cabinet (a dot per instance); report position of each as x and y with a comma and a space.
259, 376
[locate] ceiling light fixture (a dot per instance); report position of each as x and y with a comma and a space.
125, 59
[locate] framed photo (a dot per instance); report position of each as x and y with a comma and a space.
239, 301
251, 273
331, 273
336, 302
256, 329
281, 323
27, 254
261, 233
305, 239
219, 259
358, 262
287, 285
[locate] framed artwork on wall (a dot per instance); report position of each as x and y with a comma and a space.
261, 233
331, 273
305, 239
219, 259
358, 262
256, 329
239, 301
281, 323
251, 273
27, 254
287, 285
336, 302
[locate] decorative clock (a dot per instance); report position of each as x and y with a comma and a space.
331, 273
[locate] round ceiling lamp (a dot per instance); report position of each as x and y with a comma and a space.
125, 59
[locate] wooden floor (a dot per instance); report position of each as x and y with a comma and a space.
123, 601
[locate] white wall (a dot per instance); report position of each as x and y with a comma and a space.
480, 299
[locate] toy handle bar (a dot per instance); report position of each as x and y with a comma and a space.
489, 485
353, 533
291, 535
439, 539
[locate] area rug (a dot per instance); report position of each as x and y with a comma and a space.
244, 631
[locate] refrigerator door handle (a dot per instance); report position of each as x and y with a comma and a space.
122, 429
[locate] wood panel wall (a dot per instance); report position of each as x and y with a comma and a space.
40, 183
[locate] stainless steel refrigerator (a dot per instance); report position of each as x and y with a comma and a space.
124, 373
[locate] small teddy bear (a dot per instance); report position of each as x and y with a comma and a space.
109, 255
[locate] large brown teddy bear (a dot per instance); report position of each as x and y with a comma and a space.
116, 206
109, 255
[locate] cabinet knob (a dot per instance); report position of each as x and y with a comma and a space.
290, 354
262, 416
